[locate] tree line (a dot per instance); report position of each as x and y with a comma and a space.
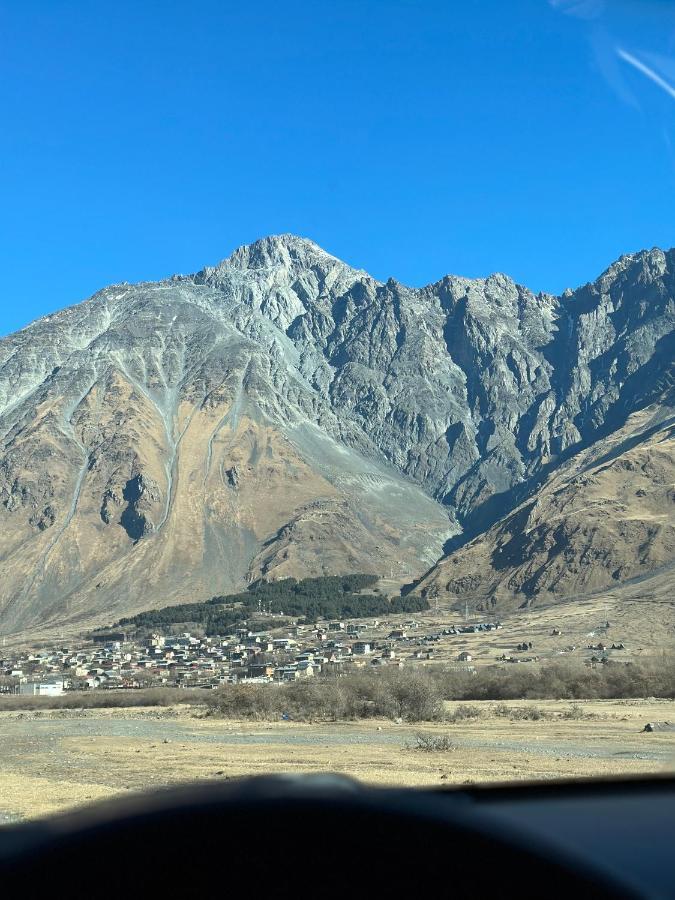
310, 599
418, 694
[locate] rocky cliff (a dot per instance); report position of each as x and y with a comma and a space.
285, 414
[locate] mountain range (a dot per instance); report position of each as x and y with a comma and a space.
284, 414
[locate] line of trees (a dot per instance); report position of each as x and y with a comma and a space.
418, 694
311, 599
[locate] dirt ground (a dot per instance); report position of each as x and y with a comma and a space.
63, 758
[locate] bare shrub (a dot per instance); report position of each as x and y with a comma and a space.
520, 713
103, 699
411, 696
569, 680
463, 713
245, 701
431, 743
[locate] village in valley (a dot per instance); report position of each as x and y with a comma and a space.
138, 658
114, 660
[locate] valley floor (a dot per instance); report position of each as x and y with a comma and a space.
59, 759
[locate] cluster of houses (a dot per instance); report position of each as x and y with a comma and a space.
474, 628
113, 660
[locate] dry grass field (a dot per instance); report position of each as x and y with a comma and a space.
59, 759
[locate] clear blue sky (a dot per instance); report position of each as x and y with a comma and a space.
143, 138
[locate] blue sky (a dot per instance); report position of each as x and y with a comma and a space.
412, 139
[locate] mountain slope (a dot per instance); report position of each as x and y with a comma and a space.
284, 414
602, 520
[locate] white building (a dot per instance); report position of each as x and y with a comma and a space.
46, 687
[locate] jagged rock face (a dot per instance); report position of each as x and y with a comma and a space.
282, 413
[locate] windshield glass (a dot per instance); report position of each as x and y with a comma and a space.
381, 484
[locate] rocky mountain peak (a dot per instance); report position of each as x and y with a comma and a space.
284, 255
645, 265
278, 249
